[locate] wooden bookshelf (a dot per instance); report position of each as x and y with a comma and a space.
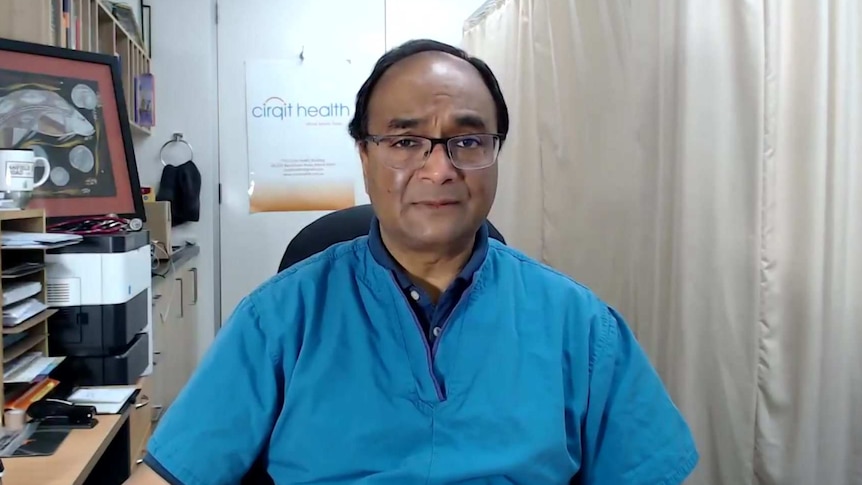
89, 26
32, 334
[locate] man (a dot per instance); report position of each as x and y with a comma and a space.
424, 353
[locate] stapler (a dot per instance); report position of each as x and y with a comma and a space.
56, 412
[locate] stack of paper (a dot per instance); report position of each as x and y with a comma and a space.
22, 269
38, 240
19, 312
106, 400
18, 290
29, 368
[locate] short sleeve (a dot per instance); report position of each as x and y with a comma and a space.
633, 434
219, 423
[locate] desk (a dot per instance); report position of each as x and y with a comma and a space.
72, 463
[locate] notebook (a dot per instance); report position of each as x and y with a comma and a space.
106, 400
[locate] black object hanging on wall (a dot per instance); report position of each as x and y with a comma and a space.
180, 185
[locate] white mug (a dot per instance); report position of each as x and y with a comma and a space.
18, 168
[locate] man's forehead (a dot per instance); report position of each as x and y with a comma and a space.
428, 74
431, 62
417, 83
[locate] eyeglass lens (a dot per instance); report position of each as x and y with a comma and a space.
466, 152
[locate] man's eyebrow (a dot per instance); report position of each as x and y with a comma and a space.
462, 121
470, 121
403, 123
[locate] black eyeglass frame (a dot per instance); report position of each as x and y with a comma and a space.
498, 137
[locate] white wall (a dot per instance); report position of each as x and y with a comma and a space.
435, 19
184, 65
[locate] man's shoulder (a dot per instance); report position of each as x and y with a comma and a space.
336, 262
508, 263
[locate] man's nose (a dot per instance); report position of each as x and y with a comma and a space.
438, 167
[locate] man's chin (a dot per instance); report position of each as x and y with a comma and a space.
439, 236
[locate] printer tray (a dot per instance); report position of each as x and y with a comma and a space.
98, 329
114, 370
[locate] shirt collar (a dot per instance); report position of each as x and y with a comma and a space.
385, 259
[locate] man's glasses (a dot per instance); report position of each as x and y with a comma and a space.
409, 152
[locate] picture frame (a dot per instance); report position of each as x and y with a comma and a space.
130, 17
146, 26
69, 106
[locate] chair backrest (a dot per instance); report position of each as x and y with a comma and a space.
335, 227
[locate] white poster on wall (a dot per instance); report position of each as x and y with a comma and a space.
300, 156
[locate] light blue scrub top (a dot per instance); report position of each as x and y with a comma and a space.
532, 381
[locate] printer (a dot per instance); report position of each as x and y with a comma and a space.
102, 291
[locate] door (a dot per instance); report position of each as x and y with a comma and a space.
252, 244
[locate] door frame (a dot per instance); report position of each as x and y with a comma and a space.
217, 321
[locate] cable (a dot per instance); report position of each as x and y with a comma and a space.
156, 246
93, 225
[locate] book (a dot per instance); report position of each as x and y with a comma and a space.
33, 394
145, 100
106, 400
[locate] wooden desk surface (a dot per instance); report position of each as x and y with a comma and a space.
72, 462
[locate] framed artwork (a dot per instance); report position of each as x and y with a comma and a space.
69, 107
147, 26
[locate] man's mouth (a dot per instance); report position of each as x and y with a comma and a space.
437, 204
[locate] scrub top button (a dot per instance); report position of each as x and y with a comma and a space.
436, 331
414, 294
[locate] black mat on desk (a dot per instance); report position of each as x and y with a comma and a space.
43, 442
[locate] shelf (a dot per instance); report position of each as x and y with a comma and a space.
140, 129
32, 334
90, 26
31, 271
39, 247
28, 324
17, 350
107, 12
14, 215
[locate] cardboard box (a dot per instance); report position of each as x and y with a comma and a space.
159, 225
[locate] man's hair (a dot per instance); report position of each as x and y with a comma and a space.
359, 124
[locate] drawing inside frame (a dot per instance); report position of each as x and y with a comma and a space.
68, 107
59, 118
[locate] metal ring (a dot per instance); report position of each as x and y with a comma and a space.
177, 138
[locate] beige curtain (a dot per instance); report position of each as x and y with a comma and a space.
698, 164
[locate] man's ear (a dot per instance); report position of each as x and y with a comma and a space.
362, 148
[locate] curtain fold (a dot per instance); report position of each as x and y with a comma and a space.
503, 35
698, 164
810, 419
699, 123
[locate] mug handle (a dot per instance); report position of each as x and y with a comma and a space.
45, 174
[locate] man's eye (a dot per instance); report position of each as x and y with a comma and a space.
405, 143
469, 143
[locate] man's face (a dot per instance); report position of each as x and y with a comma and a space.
434, 95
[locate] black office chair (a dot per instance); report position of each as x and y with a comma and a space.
335, 227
